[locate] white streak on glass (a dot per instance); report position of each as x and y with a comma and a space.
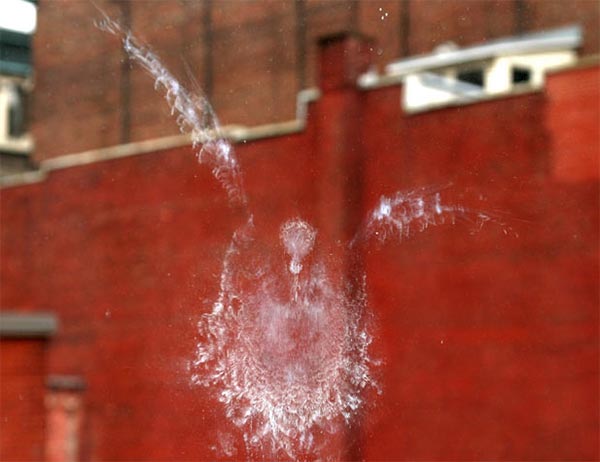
194, 114
286, 349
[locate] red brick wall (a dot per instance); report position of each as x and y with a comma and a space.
573, 124
489, 341
466, 22
22, 413
247, 60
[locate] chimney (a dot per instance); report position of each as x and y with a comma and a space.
342, 58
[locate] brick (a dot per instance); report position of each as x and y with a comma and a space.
489, 342
255, 71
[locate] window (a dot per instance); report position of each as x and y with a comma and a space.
16, 112
472, 76
520, 75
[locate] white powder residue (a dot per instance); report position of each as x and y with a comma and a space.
194, 114
286, 349
413, 211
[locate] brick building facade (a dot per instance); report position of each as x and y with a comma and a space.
489, 339
251, 58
